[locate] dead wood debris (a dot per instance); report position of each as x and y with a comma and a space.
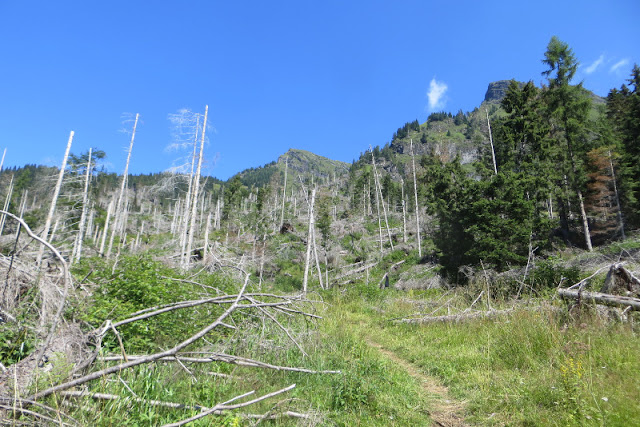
621, 288
72, 347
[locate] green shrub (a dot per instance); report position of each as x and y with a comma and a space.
15, 343
140, 283
548, 274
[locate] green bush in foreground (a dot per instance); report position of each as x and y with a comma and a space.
139, 283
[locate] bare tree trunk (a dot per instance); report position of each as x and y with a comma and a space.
585, 222
77, 251
415, 192
4, 153
194, 208
55, 228
315, 254
284, 189
7, 202
493, 153
217, 222
309, 242
105, 232
379, 219
404, 214
379, 190
89, 230
364, 201
615, 190
176, 215
264, 246
54, 200
117, 222
205, 251
187, 203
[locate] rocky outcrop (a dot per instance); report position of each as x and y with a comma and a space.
497, 90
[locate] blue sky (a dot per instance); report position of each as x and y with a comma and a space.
329, 76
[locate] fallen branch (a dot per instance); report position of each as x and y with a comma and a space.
221, 357
606, 299
105, 396
222, 407
31, 413
456, 318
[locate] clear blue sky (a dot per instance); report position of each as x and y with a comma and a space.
330, 76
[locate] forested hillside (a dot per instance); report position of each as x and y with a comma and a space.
165, 298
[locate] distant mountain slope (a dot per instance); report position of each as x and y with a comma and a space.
300, 162
447, 135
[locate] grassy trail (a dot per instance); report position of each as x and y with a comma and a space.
437, 406
444, 410
532, 367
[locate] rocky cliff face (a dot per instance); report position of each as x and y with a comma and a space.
497, 90
445, 150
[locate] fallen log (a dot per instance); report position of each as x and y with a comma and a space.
600, 298
456, 318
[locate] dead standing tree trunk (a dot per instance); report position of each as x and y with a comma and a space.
119, 212
493, 152
184, 231
284, 190
54, 200
379, 191
7, 203
309, 242
417, 207
196, 188
77, 250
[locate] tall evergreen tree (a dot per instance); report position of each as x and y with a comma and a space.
623, 110
568, 108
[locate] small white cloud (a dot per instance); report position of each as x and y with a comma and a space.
594, 65
615, 67
436, 94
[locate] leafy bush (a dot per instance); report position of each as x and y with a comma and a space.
548, 274
139, 283
15, 343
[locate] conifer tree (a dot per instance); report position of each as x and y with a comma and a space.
568, 109
623, 110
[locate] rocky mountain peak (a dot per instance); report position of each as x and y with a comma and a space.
497, 90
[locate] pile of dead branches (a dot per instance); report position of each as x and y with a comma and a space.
621, 288
61, 341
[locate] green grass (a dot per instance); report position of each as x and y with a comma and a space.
530, 368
